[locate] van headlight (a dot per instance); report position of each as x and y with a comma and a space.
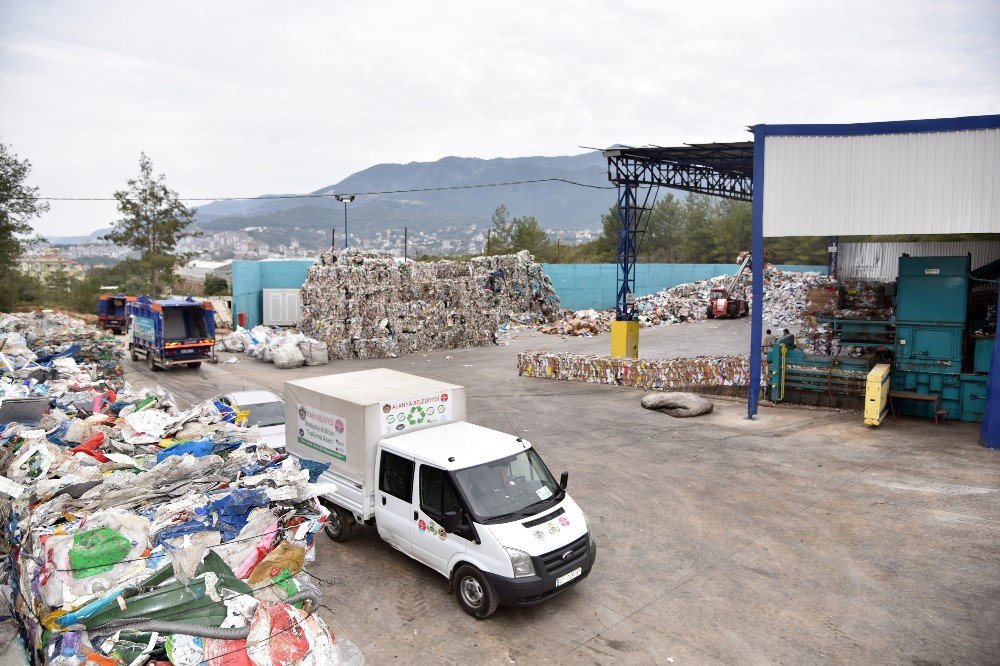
521, 563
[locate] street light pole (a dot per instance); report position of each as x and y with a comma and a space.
346, 199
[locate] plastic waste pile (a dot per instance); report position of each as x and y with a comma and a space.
727, 375
32, 340
136, 532
369, 305
286, 349
785, 298
582, 323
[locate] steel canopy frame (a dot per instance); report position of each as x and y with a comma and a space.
719, 169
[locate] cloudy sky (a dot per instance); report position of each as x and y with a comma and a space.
245, 98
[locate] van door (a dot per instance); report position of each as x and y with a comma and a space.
394, 500
436, 496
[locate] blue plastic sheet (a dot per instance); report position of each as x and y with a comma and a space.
314, 467
196, 447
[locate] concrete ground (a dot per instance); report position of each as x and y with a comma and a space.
800, 537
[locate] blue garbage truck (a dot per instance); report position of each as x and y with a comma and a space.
111, 312
171, 332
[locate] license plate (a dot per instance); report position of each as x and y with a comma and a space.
575, 573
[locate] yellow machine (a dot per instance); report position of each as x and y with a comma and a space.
625, 339
877, 394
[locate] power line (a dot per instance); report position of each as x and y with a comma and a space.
331, 195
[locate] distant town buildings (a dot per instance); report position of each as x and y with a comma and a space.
265, 243
44, 261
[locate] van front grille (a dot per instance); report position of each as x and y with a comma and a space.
558, 559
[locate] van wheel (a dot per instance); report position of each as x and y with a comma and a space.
151, 362
339, 524
475, 594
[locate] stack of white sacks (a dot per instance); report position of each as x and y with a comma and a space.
286, 349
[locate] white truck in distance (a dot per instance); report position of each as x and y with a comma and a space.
476, 505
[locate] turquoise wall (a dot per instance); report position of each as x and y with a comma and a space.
251, 278
582, 286
579, 286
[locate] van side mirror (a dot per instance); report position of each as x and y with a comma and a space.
450, 522
563, 480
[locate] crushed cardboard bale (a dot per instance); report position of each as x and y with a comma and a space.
366, 304
725, 375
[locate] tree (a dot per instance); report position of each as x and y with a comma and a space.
501, 232
153, 220
528, 235
18, 205
215, 286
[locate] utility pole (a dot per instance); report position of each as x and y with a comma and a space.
557, 250
333, 239
405, 243
346, 199
489, 233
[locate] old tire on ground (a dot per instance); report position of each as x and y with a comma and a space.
195, 365
151, 362
339, 524
475, 594
711, 315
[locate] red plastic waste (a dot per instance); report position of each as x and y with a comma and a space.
90, 448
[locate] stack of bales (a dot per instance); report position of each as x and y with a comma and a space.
366, 304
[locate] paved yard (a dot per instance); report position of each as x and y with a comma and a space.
800, 537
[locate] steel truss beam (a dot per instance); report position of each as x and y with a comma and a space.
631, 174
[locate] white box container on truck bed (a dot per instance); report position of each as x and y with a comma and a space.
341, 418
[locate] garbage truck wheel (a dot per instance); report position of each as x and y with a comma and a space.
195, 365
338, 524
132, 355
474, 592
151, 362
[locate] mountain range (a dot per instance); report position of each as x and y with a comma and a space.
391, 196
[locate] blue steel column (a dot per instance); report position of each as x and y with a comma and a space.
758, 269
626, 251
989, 433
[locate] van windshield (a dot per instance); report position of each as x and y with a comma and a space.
517, 486
264, 414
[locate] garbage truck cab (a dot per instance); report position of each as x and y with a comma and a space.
476, 505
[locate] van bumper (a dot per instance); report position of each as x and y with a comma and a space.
534, 590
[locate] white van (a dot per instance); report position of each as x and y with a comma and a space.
476, 505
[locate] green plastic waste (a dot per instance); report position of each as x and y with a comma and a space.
287, 584
158, 598
144, 403
97, 551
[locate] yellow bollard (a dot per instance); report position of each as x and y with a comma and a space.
625, 339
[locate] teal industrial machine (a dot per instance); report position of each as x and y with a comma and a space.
939, 345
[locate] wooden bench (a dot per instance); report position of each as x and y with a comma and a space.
932, 398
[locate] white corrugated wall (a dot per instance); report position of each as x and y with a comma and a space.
879, 262
920, 183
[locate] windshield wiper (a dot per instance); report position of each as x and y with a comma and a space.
525, 509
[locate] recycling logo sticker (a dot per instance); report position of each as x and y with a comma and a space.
416, 415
